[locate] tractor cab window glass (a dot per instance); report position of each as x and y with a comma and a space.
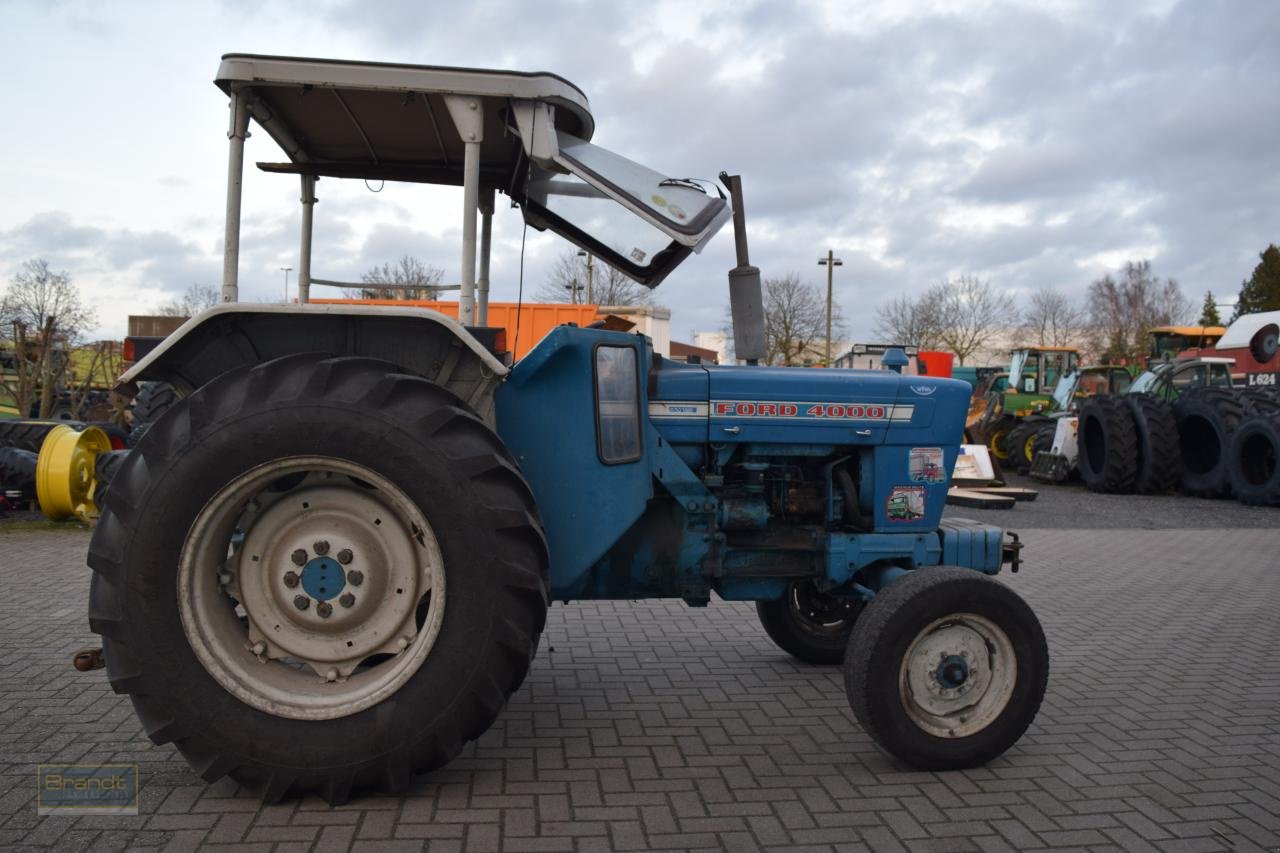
589, 210
617, 404
1219, 376
677, 206
1192, 377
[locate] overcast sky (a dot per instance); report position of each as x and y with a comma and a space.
1037, 144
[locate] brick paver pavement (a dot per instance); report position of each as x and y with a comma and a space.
655, 726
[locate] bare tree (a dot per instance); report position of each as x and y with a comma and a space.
1052, 319
1122, 311
567, 282
422, 281
912, 322
972, 310
795, 320
94, 369
197, 298
41, 319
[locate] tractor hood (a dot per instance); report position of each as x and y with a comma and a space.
788, 405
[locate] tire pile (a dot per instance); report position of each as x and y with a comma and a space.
1212, 442
21, 440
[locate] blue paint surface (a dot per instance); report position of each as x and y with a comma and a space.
676, 522
323, 578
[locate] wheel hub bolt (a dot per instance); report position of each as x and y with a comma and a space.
301, 602
347, 599
331, 675
324, 608
345, 556
291, 579
299, 557
224, 578
259, 647
355, 578
321, 547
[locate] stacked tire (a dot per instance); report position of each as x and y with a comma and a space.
1207, 418
1253, 450
1128, 444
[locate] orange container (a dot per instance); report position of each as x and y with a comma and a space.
536, 319
936, 363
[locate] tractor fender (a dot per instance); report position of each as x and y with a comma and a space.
417, 340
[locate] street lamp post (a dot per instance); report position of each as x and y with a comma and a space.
830, 262
286, 271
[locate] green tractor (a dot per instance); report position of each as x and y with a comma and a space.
997, 408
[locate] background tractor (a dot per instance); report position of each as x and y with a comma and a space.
1025, 389
328, 564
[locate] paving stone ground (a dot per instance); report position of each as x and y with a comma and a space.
655, 726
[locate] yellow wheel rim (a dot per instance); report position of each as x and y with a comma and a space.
65, 478
1029, 448
995, 444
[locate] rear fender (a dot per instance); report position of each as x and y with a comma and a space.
418, 341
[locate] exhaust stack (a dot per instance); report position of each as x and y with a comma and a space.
746, 302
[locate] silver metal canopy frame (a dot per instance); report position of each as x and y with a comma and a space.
473, 300
235, 179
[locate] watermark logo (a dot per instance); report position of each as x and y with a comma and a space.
87, 789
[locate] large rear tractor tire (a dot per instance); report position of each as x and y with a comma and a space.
946, 668
1157, 432
1253, 460
318, 574
1108, 445
809, 625
1206, 419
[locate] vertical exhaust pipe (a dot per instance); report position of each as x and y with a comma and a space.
746, 302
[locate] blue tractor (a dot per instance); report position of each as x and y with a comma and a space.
328, 566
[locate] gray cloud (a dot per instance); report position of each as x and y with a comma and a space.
1018, 142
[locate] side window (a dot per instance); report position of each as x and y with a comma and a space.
1192, 377
617, 404
1219, 376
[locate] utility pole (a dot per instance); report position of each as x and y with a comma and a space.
830, 262
590, 275
286, 270
574, 289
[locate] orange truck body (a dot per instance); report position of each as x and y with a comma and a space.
525, 323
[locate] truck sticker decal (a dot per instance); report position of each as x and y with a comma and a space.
905, 503
924, 465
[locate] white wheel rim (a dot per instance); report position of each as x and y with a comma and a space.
330, 574
958, 675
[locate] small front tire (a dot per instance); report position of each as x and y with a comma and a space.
809, 625
946, 668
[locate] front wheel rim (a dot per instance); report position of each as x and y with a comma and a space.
311, 588
958, 675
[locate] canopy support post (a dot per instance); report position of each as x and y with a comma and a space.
235, 184
469, 120
486, 242
304, 252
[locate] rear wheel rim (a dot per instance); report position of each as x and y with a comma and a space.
958, 675
311, 588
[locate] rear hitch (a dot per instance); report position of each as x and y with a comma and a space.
87, 660
1011, 552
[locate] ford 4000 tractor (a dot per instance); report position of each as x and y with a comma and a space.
328, 566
